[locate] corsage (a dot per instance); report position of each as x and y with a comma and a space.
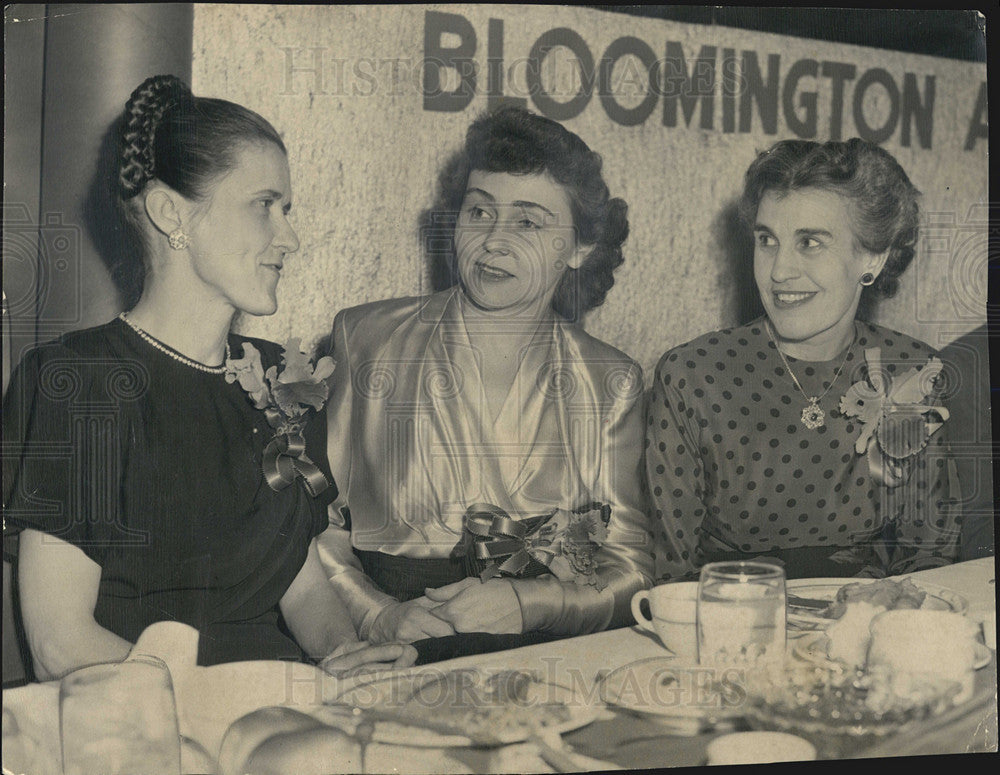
896, 424
561, 542
287, 399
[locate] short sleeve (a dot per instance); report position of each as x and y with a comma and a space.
62, 452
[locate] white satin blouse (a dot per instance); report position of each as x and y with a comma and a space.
412, 444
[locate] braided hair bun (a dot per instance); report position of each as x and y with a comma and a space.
143, 113
186, 143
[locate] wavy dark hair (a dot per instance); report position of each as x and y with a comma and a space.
166, 133
882, 200
514, 140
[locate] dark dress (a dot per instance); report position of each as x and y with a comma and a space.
154, 469
970, 435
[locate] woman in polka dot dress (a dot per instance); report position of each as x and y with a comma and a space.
807, 436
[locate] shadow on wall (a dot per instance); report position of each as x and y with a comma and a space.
437, 225
742, 302
120, 252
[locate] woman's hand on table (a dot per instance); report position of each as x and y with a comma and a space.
360, 656
471, 605
407, 622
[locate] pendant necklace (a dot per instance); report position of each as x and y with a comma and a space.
813, 416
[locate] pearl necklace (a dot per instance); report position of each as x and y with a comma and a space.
813, 416
165, 349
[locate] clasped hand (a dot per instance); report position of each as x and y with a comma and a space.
469, 605
355, 657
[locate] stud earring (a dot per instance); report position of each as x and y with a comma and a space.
867, 278
178, 239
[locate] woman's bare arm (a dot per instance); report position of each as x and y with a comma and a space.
313, 610
321, 624
58, 591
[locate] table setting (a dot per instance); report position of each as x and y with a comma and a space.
741, 666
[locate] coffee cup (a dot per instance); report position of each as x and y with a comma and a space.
674, 608
925, 643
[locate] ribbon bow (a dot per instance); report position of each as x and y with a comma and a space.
896, 424
285, 458
493, 544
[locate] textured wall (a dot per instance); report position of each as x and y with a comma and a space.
365, 155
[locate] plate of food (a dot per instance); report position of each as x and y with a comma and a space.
471, 707
672, 689
815, 648
815, 604
841, 709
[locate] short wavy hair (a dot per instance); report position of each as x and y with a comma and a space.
883, 203
514, 140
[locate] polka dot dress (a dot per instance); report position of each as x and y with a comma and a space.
731, 466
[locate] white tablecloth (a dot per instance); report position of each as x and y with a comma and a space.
209, 698
583, 658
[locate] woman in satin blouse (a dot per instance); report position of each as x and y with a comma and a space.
490, 392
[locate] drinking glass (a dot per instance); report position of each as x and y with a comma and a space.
119, 719
741, 615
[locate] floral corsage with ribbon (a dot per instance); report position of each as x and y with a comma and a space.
896, 420
561, 542
288, 398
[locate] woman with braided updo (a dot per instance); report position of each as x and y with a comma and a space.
488, 405
137, 481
